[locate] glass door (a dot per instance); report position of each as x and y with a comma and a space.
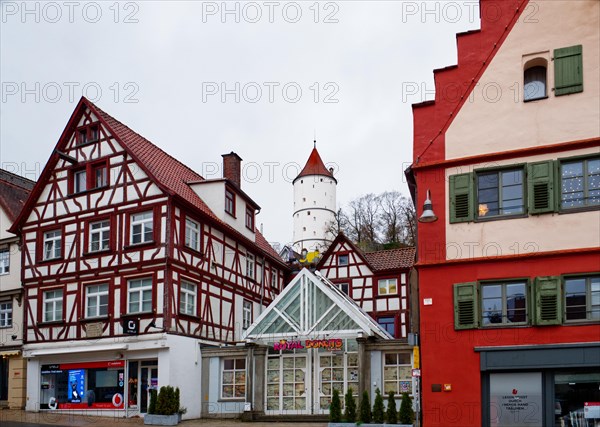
334, 371
288, 385
149, 381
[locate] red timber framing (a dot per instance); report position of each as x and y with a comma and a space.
140, 178
363, 273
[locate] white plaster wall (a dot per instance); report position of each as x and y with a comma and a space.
215, 406
521, 235
310, 192
497, 101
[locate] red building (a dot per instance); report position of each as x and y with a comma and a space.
509, 260
132, 263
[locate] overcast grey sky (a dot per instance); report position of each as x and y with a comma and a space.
200, 79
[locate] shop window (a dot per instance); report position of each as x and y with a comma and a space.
4, 261
534, 79
230, 202
582, 298
387, 286
94, 385
286, 383
188, 298
388, 323
250, 218
338, 372
397, 373
99, 236
142, 227
250, 266
568, 70
6, 310
139, 295
192, 234
342, 260
246, 314
576, 393
580, 183
503, 303
53, 305
233, 379
96, 301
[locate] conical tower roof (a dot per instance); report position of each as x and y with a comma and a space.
314, 166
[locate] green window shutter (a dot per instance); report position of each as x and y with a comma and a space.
548, 301
465, 306
568, 70
461, 197
540, 184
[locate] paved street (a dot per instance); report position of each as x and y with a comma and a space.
13, 418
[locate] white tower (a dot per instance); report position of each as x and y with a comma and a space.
314, 204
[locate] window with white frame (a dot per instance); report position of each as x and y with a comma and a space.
142, 227
397, 373
192, 234
96, 300
99, 236
187, 298
246, 314
4, 261
582, 298
580, 183
233, 379
250, 266
52, 244
388, 286
5, 314
342, 260
53, 305
139, 295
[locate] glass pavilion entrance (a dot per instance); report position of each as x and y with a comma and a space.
313, 334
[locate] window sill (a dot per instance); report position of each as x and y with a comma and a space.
231, 214
541, 98
139, 314
139, 245
88, 191
50, 260
4, 274
580, 322
193, 251
94, 319
500, 217
190, 317
86, 143
51, 323
6, 326
101, 252
505, 325
578, 209
231, 399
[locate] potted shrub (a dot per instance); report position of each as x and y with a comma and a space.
378, 408
350, 409
391, 414
166, 411
365, 408
335, 409
406, 414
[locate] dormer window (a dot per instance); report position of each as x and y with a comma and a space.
230, 202
534, 80
89, 133
249, 218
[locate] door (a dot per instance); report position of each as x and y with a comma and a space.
4, 378
333, 371
149, 380
288, 384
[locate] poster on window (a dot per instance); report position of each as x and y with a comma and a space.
76, 385
516, 399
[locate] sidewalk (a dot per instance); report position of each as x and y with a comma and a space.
60, 420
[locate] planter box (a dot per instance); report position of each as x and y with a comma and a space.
367, 425
161, 420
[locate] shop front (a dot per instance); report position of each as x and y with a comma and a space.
313, 339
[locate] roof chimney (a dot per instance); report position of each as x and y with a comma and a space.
232, 168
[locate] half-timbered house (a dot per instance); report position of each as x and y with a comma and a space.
132, 262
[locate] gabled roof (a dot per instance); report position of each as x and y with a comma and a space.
389, 259
14, 191
314, 166
168, 173
310, 305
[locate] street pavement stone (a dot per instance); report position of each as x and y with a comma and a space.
10, 418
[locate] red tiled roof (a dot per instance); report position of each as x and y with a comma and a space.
391, 259
14, 191
314, 166
169, 172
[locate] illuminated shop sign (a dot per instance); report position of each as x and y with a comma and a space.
328, 344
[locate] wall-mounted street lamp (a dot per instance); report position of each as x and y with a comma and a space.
428, 215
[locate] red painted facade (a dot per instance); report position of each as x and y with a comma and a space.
449, 356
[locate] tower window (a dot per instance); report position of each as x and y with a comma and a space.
301, 181
308, 213
303, 228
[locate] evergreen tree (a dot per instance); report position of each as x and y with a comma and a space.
391, 414
335, 409
365, 408
406, 411
378, 408
152, 406
350, 409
